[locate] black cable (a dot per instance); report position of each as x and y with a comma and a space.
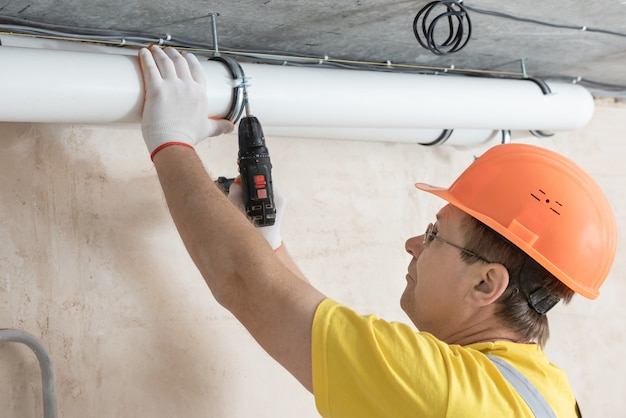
592, 84
141, 39
426, 29
455, 13
543, 23
48, 28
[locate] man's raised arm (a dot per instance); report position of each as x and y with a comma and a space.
238, 265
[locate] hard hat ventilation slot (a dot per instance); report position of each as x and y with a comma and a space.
539, 199
547, 200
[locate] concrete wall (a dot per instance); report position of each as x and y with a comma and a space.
91, 264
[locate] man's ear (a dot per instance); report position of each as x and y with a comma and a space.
489, 286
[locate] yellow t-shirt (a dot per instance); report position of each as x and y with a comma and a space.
366, 367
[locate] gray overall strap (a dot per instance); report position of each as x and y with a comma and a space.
535, 401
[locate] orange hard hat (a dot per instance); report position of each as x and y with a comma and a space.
546, 205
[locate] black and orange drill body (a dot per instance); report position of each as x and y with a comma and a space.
255, 170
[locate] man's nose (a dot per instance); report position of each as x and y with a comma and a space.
414, 245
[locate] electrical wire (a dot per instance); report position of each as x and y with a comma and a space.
11, 26
426, 27
544, 23
137, 39
74, 32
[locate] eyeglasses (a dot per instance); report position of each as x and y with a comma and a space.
429, 236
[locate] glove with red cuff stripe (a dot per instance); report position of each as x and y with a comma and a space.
176, 103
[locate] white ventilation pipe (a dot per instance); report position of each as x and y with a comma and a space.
52, 85
433, 137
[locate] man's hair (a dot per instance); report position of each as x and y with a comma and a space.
525, 277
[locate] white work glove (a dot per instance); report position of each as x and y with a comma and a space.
270, 233
176, 105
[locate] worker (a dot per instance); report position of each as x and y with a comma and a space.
523, 229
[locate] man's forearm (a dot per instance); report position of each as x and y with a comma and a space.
215, 234
283, 255
238, 265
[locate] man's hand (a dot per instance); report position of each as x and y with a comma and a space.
270, 233
176, 103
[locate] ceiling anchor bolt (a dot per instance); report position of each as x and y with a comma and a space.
214, 30
522, 62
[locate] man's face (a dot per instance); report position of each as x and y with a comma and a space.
437, 278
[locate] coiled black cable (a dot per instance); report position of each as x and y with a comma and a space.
459, 26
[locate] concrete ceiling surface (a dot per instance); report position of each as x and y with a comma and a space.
375, 31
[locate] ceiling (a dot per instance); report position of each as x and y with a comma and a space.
373, 31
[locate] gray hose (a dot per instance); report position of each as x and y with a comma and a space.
45, 363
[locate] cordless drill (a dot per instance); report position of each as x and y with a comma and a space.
255, 170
